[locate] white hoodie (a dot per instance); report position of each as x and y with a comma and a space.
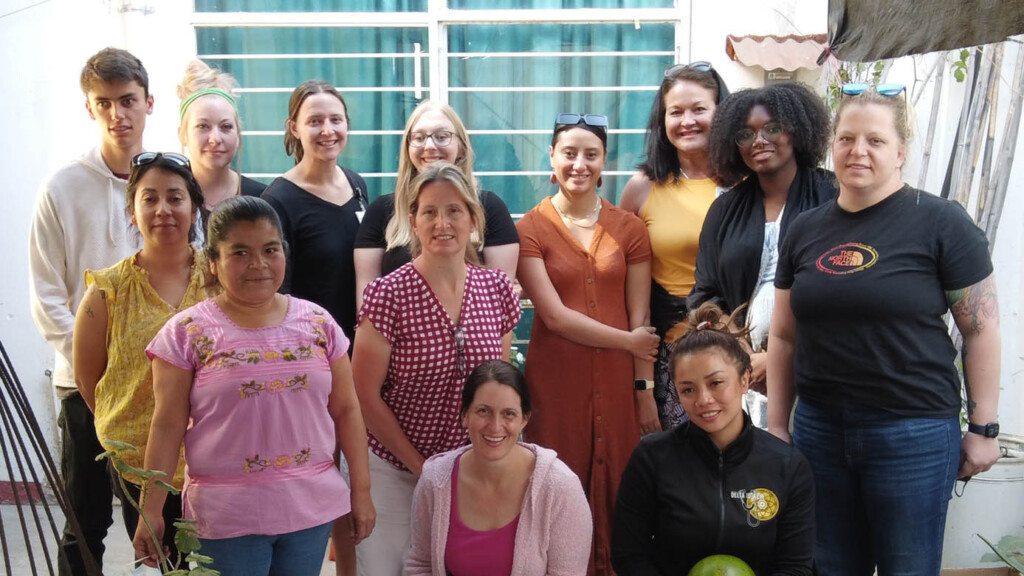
80, 223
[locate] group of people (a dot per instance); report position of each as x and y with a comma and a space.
304, 363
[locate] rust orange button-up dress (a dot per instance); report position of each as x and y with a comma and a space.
583, 404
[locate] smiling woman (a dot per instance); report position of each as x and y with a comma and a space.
773, 139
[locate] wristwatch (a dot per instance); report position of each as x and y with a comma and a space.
640, 384
990, 430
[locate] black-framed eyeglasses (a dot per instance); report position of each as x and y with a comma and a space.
890, 90
441, 138
146, 158
770, 132
700, 66
592, 120
459, 336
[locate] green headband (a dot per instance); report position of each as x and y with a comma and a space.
192, 98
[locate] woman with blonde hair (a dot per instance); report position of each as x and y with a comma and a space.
422, 330
433, 133
211, 134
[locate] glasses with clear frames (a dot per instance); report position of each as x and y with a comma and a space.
769, 132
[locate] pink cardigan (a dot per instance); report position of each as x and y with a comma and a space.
555, 525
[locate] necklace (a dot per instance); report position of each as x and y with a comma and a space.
581, 222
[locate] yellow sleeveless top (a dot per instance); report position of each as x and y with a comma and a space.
135, 313
674, 214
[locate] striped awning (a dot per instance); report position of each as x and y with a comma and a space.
774, 52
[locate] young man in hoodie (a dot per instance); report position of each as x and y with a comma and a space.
81, 223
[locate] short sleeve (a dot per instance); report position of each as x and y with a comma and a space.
337, 343
372, 229
511, 308
529, 243
171, 344
786, 267
380, 308
638, 244
103, 283
963, 257
500, 230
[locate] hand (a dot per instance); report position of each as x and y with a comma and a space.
758, 367
145, 547
363, 516
647, 412
977, 454
780, 432
643, 343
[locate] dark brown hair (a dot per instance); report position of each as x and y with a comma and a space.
496, 371
113, 66
709, 327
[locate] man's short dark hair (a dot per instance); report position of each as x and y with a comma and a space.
113, 66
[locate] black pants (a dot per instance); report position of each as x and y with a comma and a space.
171, 513
87, 484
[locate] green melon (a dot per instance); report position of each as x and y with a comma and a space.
721, 565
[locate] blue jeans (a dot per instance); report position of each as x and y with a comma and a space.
299, 553
882, 483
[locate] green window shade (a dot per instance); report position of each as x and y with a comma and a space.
311, 5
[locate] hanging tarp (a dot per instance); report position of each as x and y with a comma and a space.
869, 30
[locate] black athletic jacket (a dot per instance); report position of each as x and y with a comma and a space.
681, 499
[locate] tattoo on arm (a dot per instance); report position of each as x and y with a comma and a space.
975, 307
88, 310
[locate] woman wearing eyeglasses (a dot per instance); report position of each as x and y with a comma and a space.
770, 140
422, 330
126, 305
587, 267
671, 193
859, 335
319, 203
433, 133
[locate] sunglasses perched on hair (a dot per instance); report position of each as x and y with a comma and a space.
146, 158
889, 90
441, 138
592, 120
770, 132
700, 66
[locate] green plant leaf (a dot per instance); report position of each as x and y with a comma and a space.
1009, 550
121, 446
107, 454
128, 470
204, 571
959, 75
198, 558
186, 542
166, 486
178, 573
965, 54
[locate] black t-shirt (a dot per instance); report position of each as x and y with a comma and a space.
868, 290
499, 228
249, 187
320, 238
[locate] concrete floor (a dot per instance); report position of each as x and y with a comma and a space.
118, 560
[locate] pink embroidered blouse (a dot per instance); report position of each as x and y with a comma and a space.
259, 448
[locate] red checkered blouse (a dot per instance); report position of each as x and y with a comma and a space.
430, 355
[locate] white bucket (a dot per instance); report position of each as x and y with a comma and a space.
992, 505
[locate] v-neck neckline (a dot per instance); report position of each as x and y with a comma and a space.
463, 304
563, 228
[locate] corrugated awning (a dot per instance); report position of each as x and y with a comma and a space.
773, 52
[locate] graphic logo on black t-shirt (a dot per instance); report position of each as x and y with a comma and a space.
847, 259
761, 503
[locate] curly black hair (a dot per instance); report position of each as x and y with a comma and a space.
801, 112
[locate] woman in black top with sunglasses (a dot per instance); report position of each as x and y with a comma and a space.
587, 267
671, 193
768, 142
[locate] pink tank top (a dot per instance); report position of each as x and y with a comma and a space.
471, 552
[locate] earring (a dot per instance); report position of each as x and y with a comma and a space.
599, 181
553, 179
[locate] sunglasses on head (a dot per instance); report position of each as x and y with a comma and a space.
700, 66
146, 158
883, 89
592, 120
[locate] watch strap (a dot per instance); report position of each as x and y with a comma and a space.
990, 430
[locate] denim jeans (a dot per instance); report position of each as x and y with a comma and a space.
882, 483
299, 553
87, 485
